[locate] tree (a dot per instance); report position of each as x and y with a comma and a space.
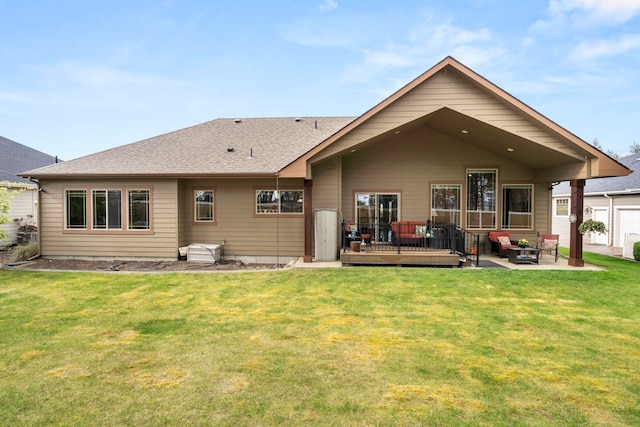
5, 197
634, 148
610, 153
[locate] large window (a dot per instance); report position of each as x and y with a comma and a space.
517, 207
76, 210
138, 206
203, 205
283, 201
481, 198
445, 203
107, 209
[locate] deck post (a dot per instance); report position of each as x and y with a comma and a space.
577, 204
308, 220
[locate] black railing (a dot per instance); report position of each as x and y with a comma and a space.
411, 236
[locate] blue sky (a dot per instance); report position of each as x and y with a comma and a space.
77, 77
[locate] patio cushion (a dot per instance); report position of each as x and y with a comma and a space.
549, 244
504, 240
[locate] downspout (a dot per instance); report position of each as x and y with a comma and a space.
278, 222
610, 219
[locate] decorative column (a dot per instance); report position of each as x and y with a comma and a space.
576, 218
308, 220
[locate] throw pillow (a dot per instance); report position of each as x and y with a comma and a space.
353, 228
421, 230
549, 244
504, 241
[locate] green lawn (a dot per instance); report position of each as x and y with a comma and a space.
356, 346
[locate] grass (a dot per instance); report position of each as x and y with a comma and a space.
358, 346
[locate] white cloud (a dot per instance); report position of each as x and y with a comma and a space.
596, 10
424, 47
592, 50
328, 5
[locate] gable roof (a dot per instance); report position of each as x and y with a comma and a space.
617, 184
553, 152
15, 158
219, 147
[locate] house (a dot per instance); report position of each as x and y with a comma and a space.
449, 146
15, 158
615, 201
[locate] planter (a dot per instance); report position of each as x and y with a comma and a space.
355, 246
24, 238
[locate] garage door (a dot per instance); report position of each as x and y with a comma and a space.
629, 223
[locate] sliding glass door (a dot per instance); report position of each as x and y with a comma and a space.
375, 212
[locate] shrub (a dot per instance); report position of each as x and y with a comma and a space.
25, 252
636, 251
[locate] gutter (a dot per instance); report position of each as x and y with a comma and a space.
610, 219
605, 193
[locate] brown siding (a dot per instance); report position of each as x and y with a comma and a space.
409, 162
244, 233
161, 243
452, 91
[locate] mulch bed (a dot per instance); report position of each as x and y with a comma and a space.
7, 261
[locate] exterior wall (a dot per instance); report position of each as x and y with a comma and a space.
327, 190
23, 202
453, 91
408, 163
160, 243
247, 236
611, 206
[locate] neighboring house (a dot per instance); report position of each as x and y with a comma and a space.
448, 146
614, 201
15, 158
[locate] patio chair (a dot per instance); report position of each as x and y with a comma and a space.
549, 243
501, 242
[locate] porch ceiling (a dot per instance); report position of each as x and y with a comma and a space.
497, 141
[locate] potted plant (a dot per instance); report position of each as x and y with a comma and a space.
523, 243
591, 226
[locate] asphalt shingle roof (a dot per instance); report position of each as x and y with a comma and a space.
16, 158
617, 183
217, 147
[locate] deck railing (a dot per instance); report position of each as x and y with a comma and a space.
411, 236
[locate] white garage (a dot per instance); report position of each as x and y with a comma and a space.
628, 222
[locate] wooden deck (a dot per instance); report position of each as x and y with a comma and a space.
430, 258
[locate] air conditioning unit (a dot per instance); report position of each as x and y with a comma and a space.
203, 252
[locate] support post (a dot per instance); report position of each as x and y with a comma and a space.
577, 209
308, 220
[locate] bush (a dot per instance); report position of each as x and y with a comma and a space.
636, 251
25, 252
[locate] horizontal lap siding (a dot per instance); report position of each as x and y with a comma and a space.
162, 243
244, 233
410, 162
451, 91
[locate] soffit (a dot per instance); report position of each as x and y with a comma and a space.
495, 140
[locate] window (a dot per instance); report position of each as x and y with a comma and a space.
517, 212
561, 207
203, 205
107, 209
284, 202
445, 203
76, 210
138, 207
481, 198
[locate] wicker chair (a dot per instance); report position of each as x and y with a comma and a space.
549, 243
